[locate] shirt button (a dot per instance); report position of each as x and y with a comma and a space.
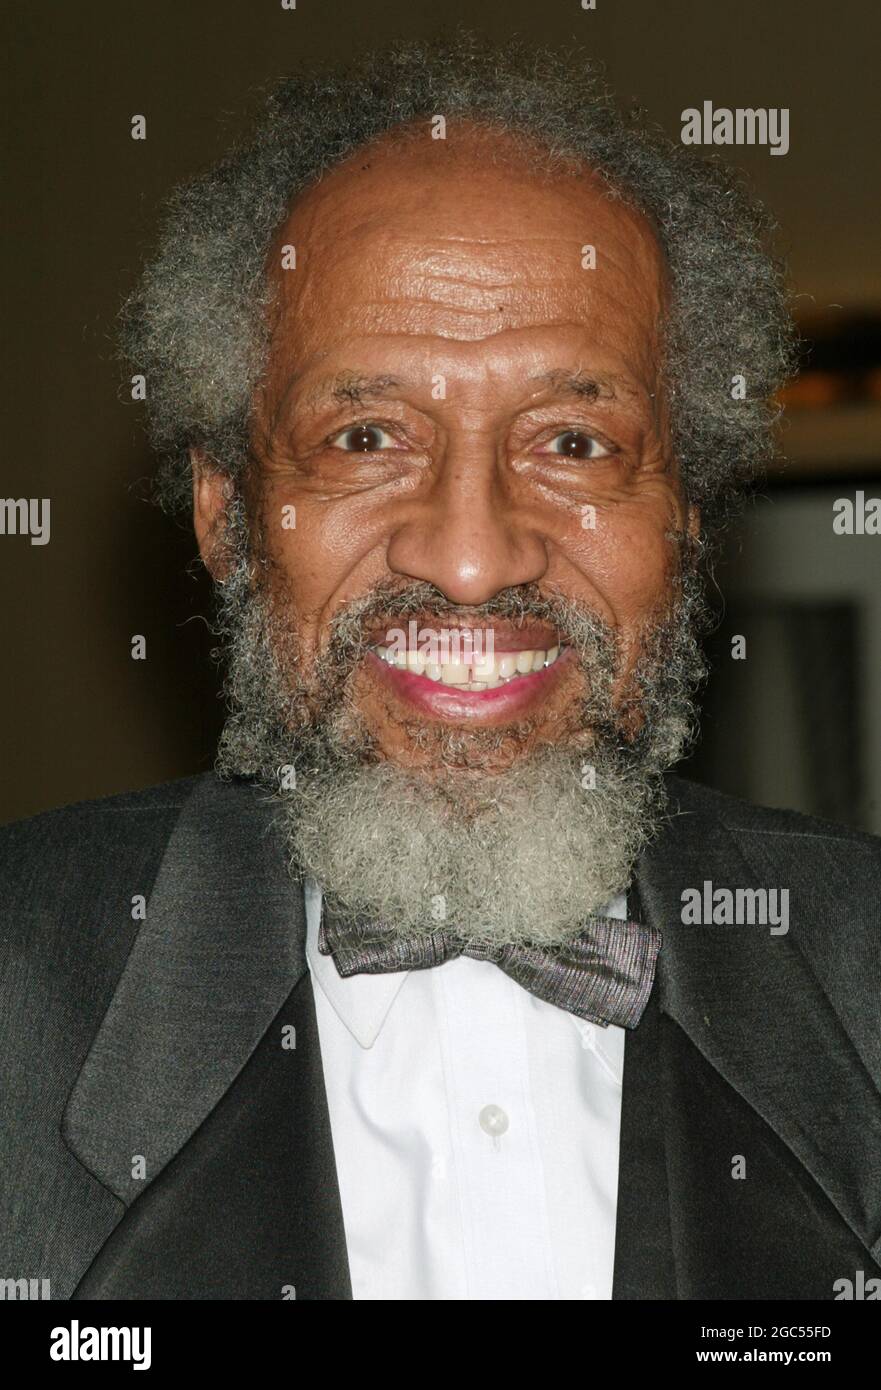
493, 1120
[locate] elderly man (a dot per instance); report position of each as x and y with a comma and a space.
443, 987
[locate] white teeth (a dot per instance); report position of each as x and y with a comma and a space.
482, 674
454, 674
484, 669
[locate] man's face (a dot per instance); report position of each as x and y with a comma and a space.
460, 392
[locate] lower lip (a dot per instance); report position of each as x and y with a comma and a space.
447, 702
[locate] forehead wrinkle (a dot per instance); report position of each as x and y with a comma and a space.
625, 243
456, 323
425, 273
474, 254
473, 292
376, 312
405, 295
453, 242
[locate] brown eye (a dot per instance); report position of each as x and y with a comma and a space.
574, 444
362, 439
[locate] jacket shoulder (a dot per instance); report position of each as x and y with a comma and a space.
831, 874
64, 870
746, 817
69, 882
831, 878
160, 798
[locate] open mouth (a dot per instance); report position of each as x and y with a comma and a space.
496, 687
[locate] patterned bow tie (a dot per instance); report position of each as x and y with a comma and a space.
604, 975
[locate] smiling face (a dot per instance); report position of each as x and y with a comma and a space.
461, 396
464, 667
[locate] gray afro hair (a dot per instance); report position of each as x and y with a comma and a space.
196, 325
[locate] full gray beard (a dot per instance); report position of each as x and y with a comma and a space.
519, 855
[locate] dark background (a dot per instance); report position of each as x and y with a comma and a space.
793, 724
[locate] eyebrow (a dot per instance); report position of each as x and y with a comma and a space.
581, 384
352, 388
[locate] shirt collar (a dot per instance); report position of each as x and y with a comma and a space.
362, 1002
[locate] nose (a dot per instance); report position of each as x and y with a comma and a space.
468, 537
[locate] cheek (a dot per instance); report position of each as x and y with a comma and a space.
635, 567
321, 557
628, 560
304, 545
632, 567
297, 577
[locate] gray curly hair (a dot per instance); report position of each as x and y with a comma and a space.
196, 326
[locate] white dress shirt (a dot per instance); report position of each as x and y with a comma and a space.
475, 1129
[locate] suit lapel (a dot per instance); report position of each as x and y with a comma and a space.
644, 1262
249, 1209
752, 1006
220, 950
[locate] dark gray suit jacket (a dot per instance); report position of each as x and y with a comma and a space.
154, 1047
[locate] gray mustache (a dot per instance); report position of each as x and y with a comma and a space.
388, 603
